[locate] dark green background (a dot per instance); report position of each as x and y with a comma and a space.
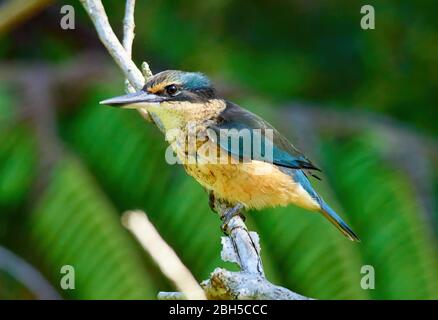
361, 104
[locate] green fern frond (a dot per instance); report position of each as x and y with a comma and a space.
74, 224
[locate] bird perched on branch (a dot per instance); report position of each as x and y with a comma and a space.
236, 155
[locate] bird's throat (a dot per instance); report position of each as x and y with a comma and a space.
183, 114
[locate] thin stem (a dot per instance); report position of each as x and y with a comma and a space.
98, 15
168, 261
128, 35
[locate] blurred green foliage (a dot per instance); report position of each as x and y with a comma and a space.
272, 53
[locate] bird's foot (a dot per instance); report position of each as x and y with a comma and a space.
229, 214
212, 201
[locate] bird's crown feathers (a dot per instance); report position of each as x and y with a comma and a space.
186, 80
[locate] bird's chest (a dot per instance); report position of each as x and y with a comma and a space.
200, 156
214, 169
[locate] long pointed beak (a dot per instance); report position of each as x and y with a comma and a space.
132, 99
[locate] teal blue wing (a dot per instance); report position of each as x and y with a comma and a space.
235, 125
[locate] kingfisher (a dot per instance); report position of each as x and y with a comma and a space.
180, 102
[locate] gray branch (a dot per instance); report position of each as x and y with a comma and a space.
226, 285
128, 27
25, 273
242, 247
128, 35
121, 56
106, 34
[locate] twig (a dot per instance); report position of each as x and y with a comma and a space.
169, 263
128, 27
27, 275
13, 12
128, 39
147, 73
128, 35
106, 34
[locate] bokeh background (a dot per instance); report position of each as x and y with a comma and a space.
361, 104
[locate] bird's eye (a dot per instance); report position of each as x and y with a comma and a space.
171, 89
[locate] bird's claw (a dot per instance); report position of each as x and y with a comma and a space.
212, 202
229, 214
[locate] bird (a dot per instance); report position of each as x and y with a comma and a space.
181, 103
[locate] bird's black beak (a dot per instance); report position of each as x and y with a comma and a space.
132, 99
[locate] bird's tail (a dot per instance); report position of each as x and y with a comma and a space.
336, 220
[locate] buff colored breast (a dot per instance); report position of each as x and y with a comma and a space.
255, 184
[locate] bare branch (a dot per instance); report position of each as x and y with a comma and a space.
226, 285
98, 15
241, 247
171, 296
128, 34
145, 69
169, 263
128, 27
27, 275
13, 12
147, 73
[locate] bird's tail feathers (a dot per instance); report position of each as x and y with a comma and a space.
336, 220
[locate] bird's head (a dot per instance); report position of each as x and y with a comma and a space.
167, 87
169, 95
